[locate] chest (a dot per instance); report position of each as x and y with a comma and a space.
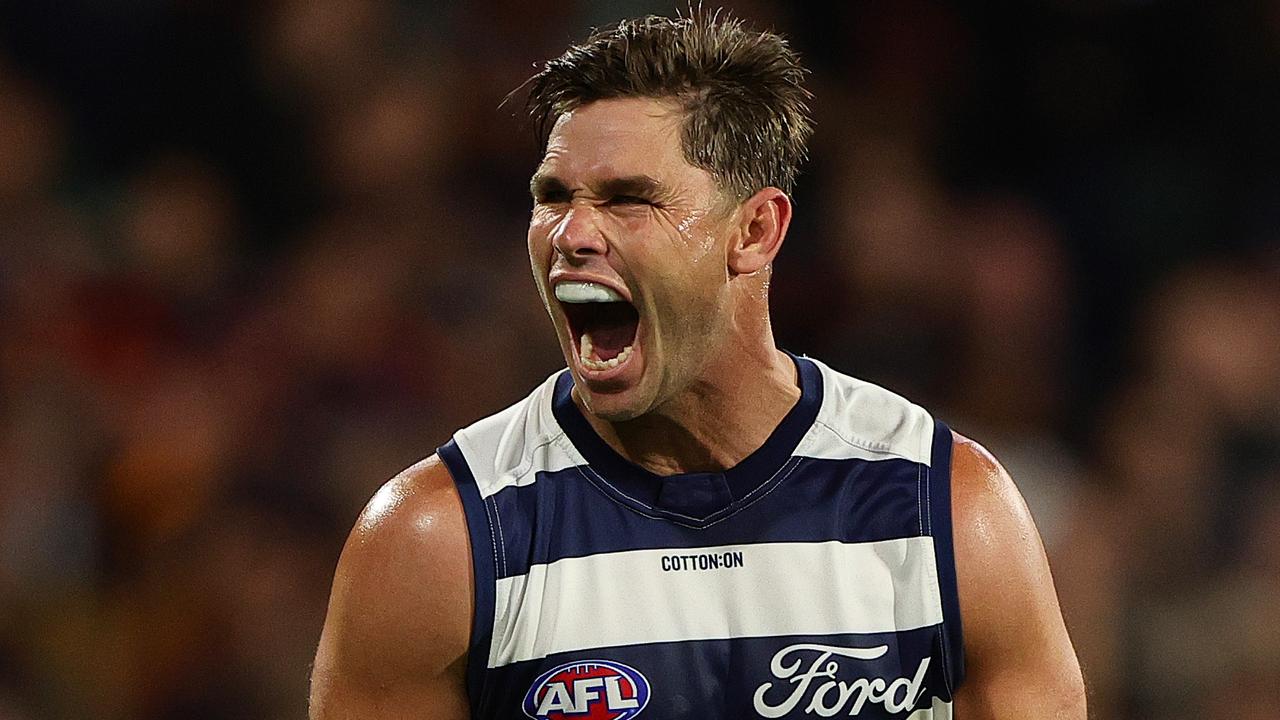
790, 608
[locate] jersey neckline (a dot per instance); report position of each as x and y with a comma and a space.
692, 498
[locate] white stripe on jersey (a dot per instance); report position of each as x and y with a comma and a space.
857, 420
864, 421
668, 595
510, 448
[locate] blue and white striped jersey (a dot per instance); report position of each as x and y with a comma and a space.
815, 578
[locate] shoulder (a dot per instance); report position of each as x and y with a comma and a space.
1017, 651
984, 495
999, 556
405, 572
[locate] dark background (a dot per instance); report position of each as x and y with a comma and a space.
257, 257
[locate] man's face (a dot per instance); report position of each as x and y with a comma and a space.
629, 249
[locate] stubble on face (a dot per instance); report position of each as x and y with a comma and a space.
667, 247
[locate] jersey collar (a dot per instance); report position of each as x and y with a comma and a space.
697, 498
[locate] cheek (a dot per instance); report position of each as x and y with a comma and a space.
696, 239
630, 227
539, 240
699, 237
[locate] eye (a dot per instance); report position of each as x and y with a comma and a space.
551, 197
629, 200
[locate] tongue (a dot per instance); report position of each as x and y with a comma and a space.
612, 330
609, 343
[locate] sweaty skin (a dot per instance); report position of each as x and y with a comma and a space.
395, 640
615, 203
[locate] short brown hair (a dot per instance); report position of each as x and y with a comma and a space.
746, 118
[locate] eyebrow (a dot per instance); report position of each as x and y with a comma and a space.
541, 185
638, 185
645, 186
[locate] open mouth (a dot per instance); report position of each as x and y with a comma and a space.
602, 323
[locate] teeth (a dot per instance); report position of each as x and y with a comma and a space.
586, 292
590, 363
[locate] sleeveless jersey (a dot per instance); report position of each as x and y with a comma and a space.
815, 578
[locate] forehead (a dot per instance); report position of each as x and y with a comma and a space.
618, 137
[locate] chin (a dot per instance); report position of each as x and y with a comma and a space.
612, 403
613, 407
614, 414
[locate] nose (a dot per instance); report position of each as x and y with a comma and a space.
577, 236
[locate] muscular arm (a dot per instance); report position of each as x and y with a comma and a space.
395, 638
1019, 660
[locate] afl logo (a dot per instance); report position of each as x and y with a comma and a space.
587, 690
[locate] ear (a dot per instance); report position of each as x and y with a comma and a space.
765, 217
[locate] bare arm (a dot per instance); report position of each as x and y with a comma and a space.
395, 638
1019, 660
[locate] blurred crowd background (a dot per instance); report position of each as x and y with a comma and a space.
256, 257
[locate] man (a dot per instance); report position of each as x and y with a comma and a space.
689, 522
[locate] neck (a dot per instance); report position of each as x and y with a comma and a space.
719, 419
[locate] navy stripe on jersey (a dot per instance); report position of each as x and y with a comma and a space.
846, 603
694, 499
721, 678
938, 516
843, 500
483, 555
